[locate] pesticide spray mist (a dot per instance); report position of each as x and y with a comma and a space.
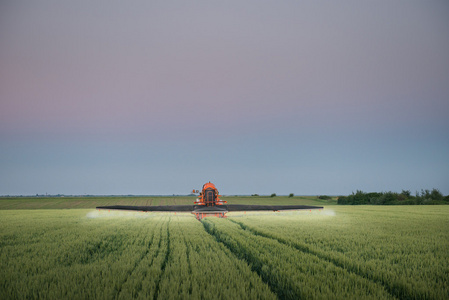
96, 214
116, 214
314, 213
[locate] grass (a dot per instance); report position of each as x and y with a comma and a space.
342, 252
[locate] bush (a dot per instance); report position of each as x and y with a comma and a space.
430, 197
291, 195
273, 195
435, 194
343, 200
406, 193
391, 198
324, 197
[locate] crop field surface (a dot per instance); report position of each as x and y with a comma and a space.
350, 252
92, 202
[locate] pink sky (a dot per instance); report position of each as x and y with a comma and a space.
289, 72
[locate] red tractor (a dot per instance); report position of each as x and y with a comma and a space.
209, 196
208, 204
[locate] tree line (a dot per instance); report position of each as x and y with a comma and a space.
425, 197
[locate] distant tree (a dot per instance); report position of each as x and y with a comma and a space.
391, 198
291, 195
402, 197
425, 194
342, 200
273, 195
406, 193
387, 198
255, 195
359, 198
435, 194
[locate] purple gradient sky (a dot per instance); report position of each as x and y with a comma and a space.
158, 97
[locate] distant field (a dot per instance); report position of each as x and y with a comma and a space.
341, 252
92, 202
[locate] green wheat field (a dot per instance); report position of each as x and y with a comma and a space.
62, 248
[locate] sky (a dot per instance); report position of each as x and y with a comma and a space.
159, 97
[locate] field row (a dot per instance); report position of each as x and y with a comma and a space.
346, 252
92, 202
404, 249
62, 254
293, 274
88, 202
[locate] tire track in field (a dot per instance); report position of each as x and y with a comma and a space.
247, 257
155, 257
164, 263
394, 290
189, 264
138, 262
